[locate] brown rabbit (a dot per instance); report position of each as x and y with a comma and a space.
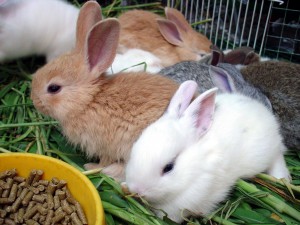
104, 115
171, 39
239, 57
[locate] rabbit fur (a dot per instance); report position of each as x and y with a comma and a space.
134, 60
199, 72
104, 115
35, 27
171, 39
187, 161
280, 82
239, 57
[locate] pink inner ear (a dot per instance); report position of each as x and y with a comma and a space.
169, 31
221, 79
205, 115
102, 43
178, 18
95, 49
200, 113
182, 98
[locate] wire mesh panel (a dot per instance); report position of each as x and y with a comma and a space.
283, 37
262, 25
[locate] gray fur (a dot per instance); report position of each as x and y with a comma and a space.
199, 72
280, 82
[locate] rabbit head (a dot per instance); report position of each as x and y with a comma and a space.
168, 159
54, 85
171, 39
186, 162
177, 31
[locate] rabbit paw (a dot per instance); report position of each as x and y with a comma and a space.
279, 169
115, 170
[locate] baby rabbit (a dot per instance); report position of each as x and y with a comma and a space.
239, 57
199, 72
187, 161
104, 115
29, 27
171, 39
280, 82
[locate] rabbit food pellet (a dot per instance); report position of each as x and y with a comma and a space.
34, 201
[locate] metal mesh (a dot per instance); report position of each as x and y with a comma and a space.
261, 24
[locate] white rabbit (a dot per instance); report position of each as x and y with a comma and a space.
29, 27
133, 60
187, 161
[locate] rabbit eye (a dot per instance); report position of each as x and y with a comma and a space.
54, 88
168, 167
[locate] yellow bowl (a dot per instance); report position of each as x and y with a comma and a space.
79, 185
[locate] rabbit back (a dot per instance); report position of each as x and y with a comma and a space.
199, 72
141, 29
190, 70
280, 82
244, 87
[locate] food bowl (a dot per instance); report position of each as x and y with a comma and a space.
79, 185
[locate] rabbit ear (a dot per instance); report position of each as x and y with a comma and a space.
200, 113
101, 46
182, 98
170, 32
176, 17
217, 55
251, 57
222, 79
238, 56
89, 15
174, 27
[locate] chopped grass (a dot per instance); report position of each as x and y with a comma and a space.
262, 200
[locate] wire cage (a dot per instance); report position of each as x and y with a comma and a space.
271, 27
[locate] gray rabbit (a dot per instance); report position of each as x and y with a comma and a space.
224, 76
280, 82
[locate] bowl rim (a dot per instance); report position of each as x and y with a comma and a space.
94, 192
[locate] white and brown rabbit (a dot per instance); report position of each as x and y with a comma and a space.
171, 39
104, 115
187, 161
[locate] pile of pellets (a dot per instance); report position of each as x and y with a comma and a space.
33, 201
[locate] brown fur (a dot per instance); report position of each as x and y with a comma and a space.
104, 115
139, 29
110, 112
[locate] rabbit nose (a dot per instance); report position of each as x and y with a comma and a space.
136, 190
129, 191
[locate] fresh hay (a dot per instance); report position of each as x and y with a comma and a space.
262, 200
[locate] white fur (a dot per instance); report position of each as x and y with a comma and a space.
42, 27
241, 141
133, 60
